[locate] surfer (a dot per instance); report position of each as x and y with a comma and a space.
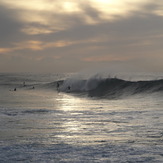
69, 88
57, 85
14, 89
24, 84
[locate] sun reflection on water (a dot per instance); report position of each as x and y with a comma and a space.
85, 123
70, 103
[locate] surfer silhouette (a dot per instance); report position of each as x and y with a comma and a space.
14, 89
57, 85
69, 88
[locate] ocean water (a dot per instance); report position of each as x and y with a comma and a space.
86, 119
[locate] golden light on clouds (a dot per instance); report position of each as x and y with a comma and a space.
5, 50
110, 9
32, 44
71, 6
28, 5
53, 14
35, 45
44, 5
31, 30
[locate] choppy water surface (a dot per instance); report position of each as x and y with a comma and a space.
43, 125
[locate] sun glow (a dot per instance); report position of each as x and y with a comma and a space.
69, 103
106, 1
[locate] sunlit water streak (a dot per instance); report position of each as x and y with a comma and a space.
44, 125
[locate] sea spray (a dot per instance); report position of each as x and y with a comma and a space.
81, 83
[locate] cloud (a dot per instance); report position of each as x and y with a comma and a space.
5, 50
106, 58
68, 34
9, 27
44, 16
35, 45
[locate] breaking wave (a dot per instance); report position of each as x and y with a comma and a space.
92, 86
110, 87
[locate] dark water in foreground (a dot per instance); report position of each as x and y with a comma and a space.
124, 124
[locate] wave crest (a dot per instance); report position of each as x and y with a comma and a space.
110, 87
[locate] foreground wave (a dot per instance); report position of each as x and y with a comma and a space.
110, 87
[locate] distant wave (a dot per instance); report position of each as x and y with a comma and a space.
110, 87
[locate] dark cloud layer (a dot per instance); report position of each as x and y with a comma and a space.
9, 28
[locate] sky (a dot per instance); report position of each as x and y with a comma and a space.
72, 35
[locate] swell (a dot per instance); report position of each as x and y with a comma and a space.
115, 88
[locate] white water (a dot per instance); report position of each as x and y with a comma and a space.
42, 125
